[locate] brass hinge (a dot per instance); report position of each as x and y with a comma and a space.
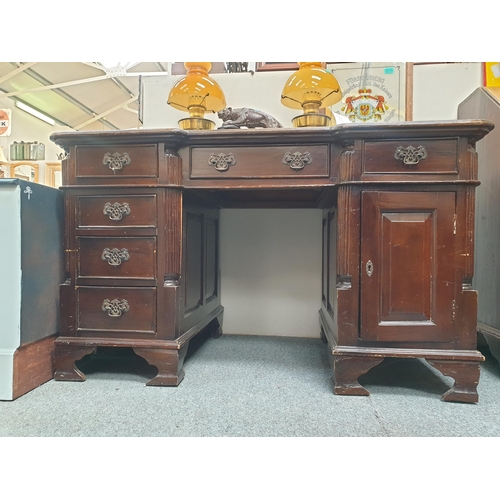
455, 224
453, 309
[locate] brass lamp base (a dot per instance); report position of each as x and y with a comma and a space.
196, 124
312, 120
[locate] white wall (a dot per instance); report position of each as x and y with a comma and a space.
438, 89
27, 128
271, 280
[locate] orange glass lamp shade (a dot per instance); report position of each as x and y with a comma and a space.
310, 88
198, 94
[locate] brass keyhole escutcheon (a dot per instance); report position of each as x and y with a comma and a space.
369, 268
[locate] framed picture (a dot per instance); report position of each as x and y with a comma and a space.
4, 170
276, 66
53, 174
24, 170
374, 91
491, 74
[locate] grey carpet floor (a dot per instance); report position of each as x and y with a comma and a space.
254, 387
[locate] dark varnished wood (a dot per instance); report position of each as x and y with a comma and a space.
408, 239
411, 223
169, 363
33, 365
65, 357
266, 162
466, 376
442, 156
347, 370
141, 211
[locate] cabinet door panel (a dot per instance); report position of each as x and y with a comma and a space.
408, 266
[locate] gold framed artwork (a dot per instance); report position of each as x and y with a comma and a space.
374, 91
25, 170
53, 174
4, 170
276, 66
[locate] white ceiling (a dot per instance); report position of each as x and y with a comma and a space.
80, 95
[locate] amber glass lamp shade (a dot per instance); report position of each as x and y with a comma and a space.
197, 93
310, 88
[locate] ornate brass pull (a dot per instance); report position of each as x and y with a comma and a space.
115, 257
116, 161
221, 161
410, 155
369, 268
116, 307
116, 211
297, 160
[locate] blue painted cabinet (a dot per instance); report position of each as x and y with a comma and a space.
31, 270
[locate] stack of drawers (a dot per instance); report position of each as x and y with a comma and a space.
114, 244
141, 258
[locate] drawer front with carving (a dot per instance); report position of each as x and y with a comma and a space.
116, 162
265, 162
118, 258
115, 311
411, 157
116, 211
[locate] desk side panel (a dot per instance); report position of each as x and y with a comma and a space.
200, 277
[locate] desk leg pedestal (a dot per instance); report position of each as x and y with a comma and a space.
466, 376
348, 367
65, 358
169, 363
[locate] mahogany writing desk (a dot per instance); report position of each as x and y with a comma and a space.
141, 240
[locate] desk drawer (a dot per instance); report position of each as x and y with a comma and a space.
265, 162
116, 162
411, 157
116, 211
118, 258
116, 309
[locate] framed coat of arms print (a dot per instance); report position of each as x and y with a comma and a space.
372, 91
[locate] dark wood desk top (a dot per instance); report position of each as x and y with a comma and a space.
345, 132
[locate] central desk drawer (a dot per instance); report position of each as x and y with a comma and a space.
116, 211
265, 162
116, 162
116, 309
118, 258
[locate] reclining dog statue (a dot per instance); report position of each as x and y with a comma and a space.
246, 117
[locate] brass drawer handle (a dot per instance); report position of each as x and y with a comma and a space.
221, 161
410, 155
116, 211
297, 160
115, 257
116, 307
116, 161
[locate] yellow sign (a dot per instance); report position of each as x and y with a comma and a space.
492, 74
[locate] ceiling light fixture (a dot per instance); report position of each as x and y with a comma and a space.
113, 65
34, 112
